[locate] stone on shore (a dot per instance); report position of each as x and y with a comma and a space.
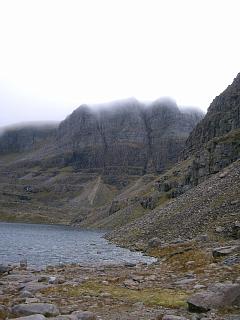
218, 296
45, 309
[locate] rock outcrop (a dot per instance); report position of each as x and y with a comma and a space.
127, 137
26, 137
215, 142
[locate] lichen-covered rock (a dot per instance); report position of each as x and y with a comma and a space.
45, 309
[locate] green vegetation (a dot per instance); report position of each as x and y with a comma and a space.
149, 296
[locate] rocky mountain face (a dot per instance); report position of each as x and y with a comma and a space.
26, 137
127, 137
215, 142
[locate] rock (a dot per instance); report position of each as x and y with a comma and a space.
171, 317
130, 264
230, 261
3, 312
184, 281
32, 317
65, 317
52, 280
26, 294
56, 280
199, 286
43, 278
236, 230
219, 229
154, 242
23, 264
84, 315
105, 295
224, 251
35, 286
5, 269
46, 309
32, 300
223, 174
130, 283
218, 296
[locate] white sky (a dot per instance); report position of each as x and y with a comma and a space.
56, 55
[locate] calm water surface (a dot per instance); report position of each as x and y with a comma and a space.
48, 244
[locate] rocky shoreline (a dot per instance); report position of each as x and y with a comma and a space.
191, 280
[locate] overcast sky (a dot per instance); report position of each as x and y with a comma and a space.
56, 55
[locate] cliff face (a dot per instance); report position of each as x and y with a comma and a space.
126, 138
215, 142
222, 117
25, 138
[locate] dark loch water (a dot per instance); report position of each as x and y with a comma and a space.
45, 245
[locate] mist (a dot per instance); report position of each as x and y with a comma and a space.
57, 55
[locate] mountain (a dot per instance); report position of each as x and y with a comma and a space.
204, 185
73, 173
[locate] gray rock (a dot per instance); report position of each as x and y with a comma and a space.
46, 309
224, 251
26, 294
154, 242
32, 317
5, 268
218, 296
23, 264
3, 312
171, 317
84, 315
35, 286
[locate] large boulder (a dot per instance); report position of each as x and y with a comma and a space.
218, 296
46, 309
33, 317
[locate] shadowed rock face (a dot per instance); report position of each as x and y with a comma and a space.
128, 137
25, 138
215, 142
222, 117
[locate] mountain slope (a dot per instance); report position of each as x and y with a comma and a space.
206, 195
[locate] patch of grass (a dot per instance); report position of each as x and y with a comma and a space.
150, 296
183, 258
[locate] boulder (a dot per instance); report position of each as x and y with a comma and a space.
218, 296
172, 317
84, 315
154, 243
33, 317
5, 268
45, 309
224, 251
